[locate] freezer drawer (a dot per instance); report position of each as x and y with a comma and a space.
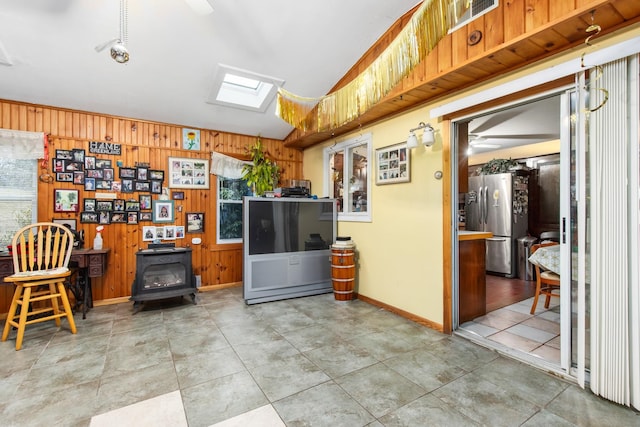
499, 255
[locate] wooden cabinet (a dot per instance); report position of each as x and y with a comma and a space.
472, 299
463, 157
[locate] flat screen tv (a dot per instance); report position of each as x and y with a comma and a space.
287, 247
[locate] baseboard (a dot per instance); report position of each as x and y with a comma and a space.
217, 287
421, 320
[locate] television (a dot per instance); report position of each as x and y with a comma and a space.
286, 247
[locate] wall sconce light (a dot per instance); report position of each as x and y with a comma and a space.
428, 137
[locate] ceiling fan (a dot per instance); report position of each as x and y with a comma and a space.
119, 51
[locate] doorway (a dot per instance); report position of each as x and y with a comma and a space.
523, 142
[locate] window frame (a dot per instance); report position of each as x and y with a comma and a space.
11, 196
345, 147
219, 203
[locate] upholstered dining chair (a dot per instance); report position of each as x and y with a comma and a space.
547, 282
41, 254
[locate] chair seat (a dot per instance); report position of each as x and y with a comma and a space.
549, 275
38, 274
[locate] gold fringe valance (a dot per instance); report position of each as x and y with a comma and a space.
428, 25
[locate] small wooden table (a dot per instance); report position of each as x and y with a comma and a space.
91, 263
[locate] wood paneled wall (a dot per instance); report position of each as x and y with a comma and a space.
145, 142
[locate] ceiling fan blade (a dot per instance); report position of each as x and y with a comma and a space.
105, 45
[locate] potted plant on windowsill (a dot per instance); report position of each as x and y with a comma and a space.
261, 174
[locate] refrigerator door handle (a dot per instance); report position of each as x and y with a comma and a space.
481, 207
486, 204
497, 239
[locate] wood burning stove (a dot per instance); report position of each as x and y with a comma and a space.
162, 273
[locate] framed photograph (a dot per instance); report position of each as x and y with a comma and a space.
393, 164
104, 205
89, 184
89, 205
169, 232
180, 232
126, 185
107, 173
103, 184
89, 162
145, 202
58, 165
103, 163
148, 233
127, 173
132, 217
64, 154
70, 223
65, 200
156, 187
142, 174
160, 233
163, 211
131, 206
118, 205
144, 216
64, 176
104, 217
117, 217
78, 155
195, 222
78, 177
142, 186
188, 173
73, 166
116, 186
156, 175
89, 217
177, 195
94, 173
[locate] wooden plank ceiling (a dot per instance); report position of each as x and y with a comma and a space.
515, 34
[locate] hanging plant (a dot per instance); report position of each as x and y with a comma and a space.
261, 174
498, 166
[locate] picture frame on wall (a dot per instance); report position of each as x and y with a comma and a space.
64, 154
89, 217
145, 216
89, 205
104, 217
118, 217
169, 232
177, 195
195, 222
142, 186
132, 217
127, 173
103, 163
188, 173
89, 184
156, 175
191, 139
104, 205
65, 200
148, 233
163, 211
156, 187
393, 164
145, 202
89, 162
131, 206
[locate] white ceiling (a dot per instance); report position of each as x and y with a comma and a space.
530, 123
175, 53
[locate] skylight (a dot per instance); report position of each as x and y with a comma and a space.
243, 89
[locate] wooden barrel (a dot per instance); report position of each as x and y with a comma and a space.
343, 272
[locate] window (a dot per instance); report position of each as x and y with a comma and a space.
18, 196
244, 89
230, 193
347, 171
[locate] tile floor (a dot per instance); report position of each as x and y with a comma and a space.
514, 326
309, 361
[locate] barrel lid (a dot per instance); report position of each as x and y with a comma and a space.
343, 238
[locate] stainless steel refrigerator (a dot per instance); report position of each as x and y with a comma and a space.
499, 204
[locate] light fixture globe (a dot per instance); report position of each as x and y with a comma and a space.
412, 140
119, 52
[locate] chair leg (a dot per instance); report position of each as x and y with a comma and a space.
12, 312
535, 299
22, 322
54, 303
67, 307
